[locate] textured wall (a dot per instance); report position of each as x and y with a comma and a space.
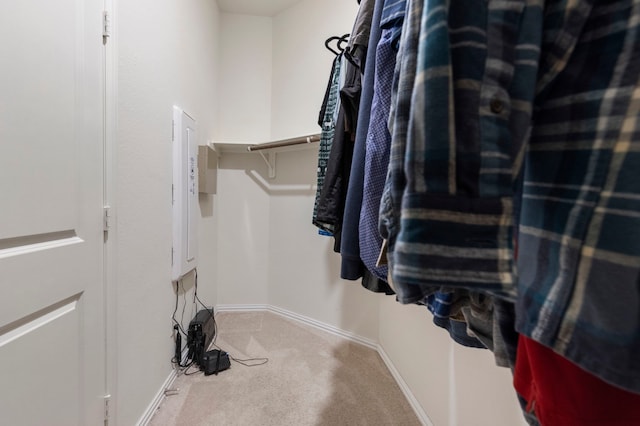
167, 54
305, 272
244, 95
269, 253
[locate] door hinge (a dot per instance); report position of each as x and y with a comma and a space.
106, 24
106, 222
107, 399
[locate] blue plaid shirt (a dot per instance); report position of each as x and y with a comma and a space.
524, 133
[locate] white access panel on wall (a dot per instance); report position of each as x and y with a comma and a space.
185, 194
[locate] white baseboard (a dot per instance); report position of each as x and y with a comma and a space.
241, 308
160, 396
417, 408
324, 327
151, 409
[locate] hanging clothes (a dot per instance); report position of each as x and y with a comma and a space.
579, 223
510, 200
378, 141
402, 87
446, 307
327, 122
512, 101
562, 394
352, 267
356, 53
332, 199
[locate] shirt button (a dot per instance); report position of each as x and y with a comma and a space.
497, 106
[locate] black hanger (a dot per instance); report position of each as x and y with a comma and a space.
329, 40
343, 39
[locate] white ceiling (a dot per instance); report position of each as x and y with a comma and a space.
255, 7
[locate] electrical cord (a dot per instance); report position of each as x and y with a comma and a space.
210, 310
250, 362
179, 329
245, 362
184, 369
175, 321
184, 298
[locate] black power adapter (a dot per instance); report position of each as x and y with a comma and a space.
214, 361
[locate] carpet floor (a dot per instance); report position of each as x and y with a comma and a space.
312, 378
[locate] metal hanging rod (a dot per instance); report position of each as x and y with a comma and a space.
286, 142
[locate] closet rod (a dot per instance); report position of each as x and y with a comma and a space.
286, 142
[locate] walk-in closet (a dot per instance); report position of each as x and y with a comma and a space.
252, 79
258, 248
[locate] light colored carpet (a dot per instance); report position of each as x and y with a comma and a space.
312, 378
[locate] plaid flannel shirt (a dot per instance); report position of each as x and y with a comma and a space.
524, 131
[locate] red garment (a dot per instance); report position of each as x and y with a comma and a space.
562, 394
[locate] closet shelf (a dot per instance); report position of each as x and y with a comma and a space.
271, 148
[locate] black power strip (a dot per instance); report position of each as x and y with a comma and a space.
178, 353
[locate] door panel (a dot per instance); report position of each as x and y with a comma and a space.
32, 290
51, 240
45, 373
41, 55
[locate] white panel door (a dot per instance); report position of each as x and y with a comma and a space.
52, 346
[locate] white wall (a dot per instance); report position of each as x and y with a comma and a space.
273, 77
456, 386
245, 78
243, 221
244, 116
304, 271
301, 64
167, 54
